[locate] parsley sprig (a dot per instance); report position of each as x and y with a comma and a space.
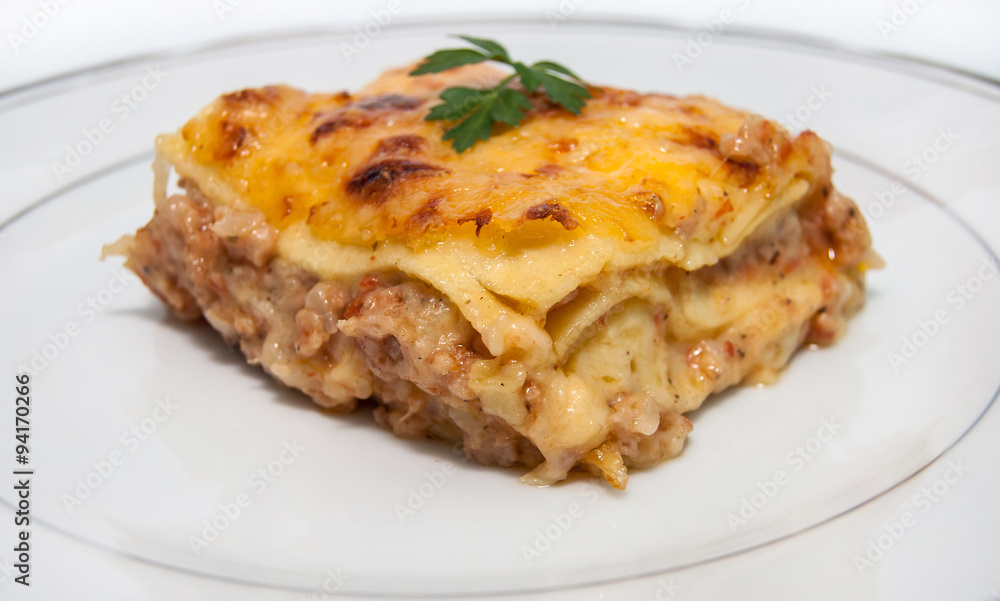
476, 110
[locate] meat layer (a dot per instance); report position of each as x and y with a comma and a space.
651, 344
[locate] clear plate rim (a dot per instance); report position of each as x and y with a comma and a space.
976, 83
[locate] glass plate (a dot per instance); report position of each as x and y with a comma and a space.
153, 439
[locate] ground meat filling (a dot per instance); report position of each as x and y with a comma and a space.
391, 339
420, 349
408, 332
396, 340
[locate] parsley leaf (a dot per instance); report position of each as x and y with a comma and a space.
510, 107
570, 95
527, 76
477, 110
497, 52
442, 60
477, 126
458, 102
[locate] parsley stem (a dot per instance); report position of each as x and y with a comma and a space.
474, 111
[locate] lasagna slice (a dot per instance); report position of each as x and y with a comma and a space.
557, 297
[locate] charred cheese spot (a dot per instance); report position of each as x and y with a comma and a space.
364, 114
554, 210
252, 97
425, 217
745, 172
232, 138
376, 183
700, 139
482, 219
390, 101
339, 122
403, 144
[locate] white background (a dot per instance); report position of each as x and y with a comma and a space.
82, 33
955, 551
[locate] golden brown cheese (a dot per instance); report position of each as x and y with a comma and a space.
365, 168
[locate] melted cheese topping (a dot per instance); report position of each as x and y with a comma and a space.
360, 169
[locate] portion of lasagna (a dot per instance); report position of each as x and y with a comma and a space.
557, 297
